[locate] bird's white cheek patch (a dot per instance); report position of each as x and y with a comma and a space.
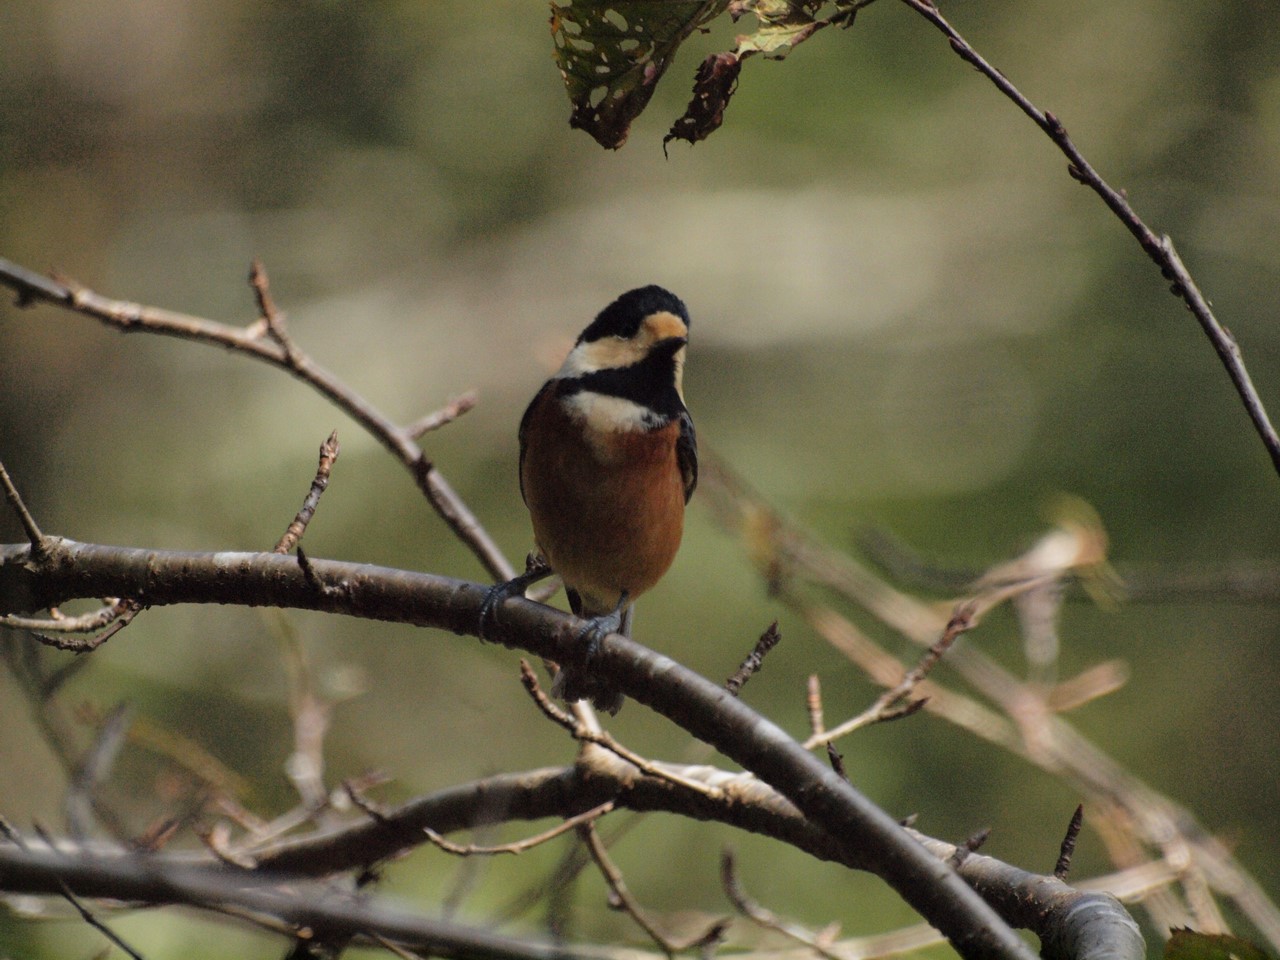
600, 355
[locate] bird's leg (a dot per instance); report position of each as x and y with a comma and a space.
580, 682
616, 621
535, 569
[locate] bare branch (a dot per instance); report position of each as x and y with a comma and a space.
747, 804
751, 909
520, 846
88, 917
1144, 818
58, 622
310, 715
29, 525
117, 615
329, 451
755, 660
450, 412
270, 319
702, 708
92, 769
1063, 866
813, 703
259, 342
603, 738
1158, 248
622, 897
894, 703
151, 879
968, 846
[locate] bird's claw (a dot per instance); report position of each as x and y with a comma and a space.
597, 628
535, 569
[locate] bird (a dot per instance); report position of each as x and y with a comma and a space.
608, 461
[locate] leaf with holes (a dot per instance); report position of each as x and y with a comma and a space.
612, 54
784, 24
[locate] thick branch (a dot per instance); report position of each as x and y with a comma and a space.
1069, 922
156, 880
707, 711
1072, 923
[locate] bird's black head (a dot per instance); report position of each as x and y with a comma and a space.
633, 352
623, 317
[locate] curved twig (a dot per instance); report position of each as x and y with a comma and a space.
1158, 248
266, 341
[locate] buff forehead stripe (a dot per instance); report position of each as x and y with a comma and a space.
662, 325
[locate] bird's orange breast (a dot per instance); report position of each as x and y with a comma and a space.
607, 506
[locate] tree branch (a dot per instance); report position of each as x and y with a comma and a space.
1158, 248
161, 880
265, 341
742, 801
704, 709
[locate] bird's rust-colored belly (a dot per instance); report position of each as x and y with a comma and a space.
607, 509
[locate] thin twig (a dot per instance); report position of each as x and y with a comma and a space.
87, 916
329, 451
602, 738
58, 622
92, 769
1158, 248
89, 643
893, 703
519, 846
969, 845
29, 525
117, 615
310, 715
836, 758
622, 896
1143, 819
813, 703
260, 342
1063, 866
1093, 683
755, 659
399, 951
450, 412
752, 910
270, 319
354, 788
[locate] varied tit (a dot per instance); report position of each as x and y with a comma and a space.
608, 460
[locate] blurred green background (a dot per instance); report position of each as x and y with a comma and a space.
906, 315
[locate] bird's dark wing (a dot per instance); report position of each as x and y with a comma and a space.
539, 397
687, 454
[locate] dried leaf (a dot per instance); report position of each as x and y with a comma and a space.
714, 84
